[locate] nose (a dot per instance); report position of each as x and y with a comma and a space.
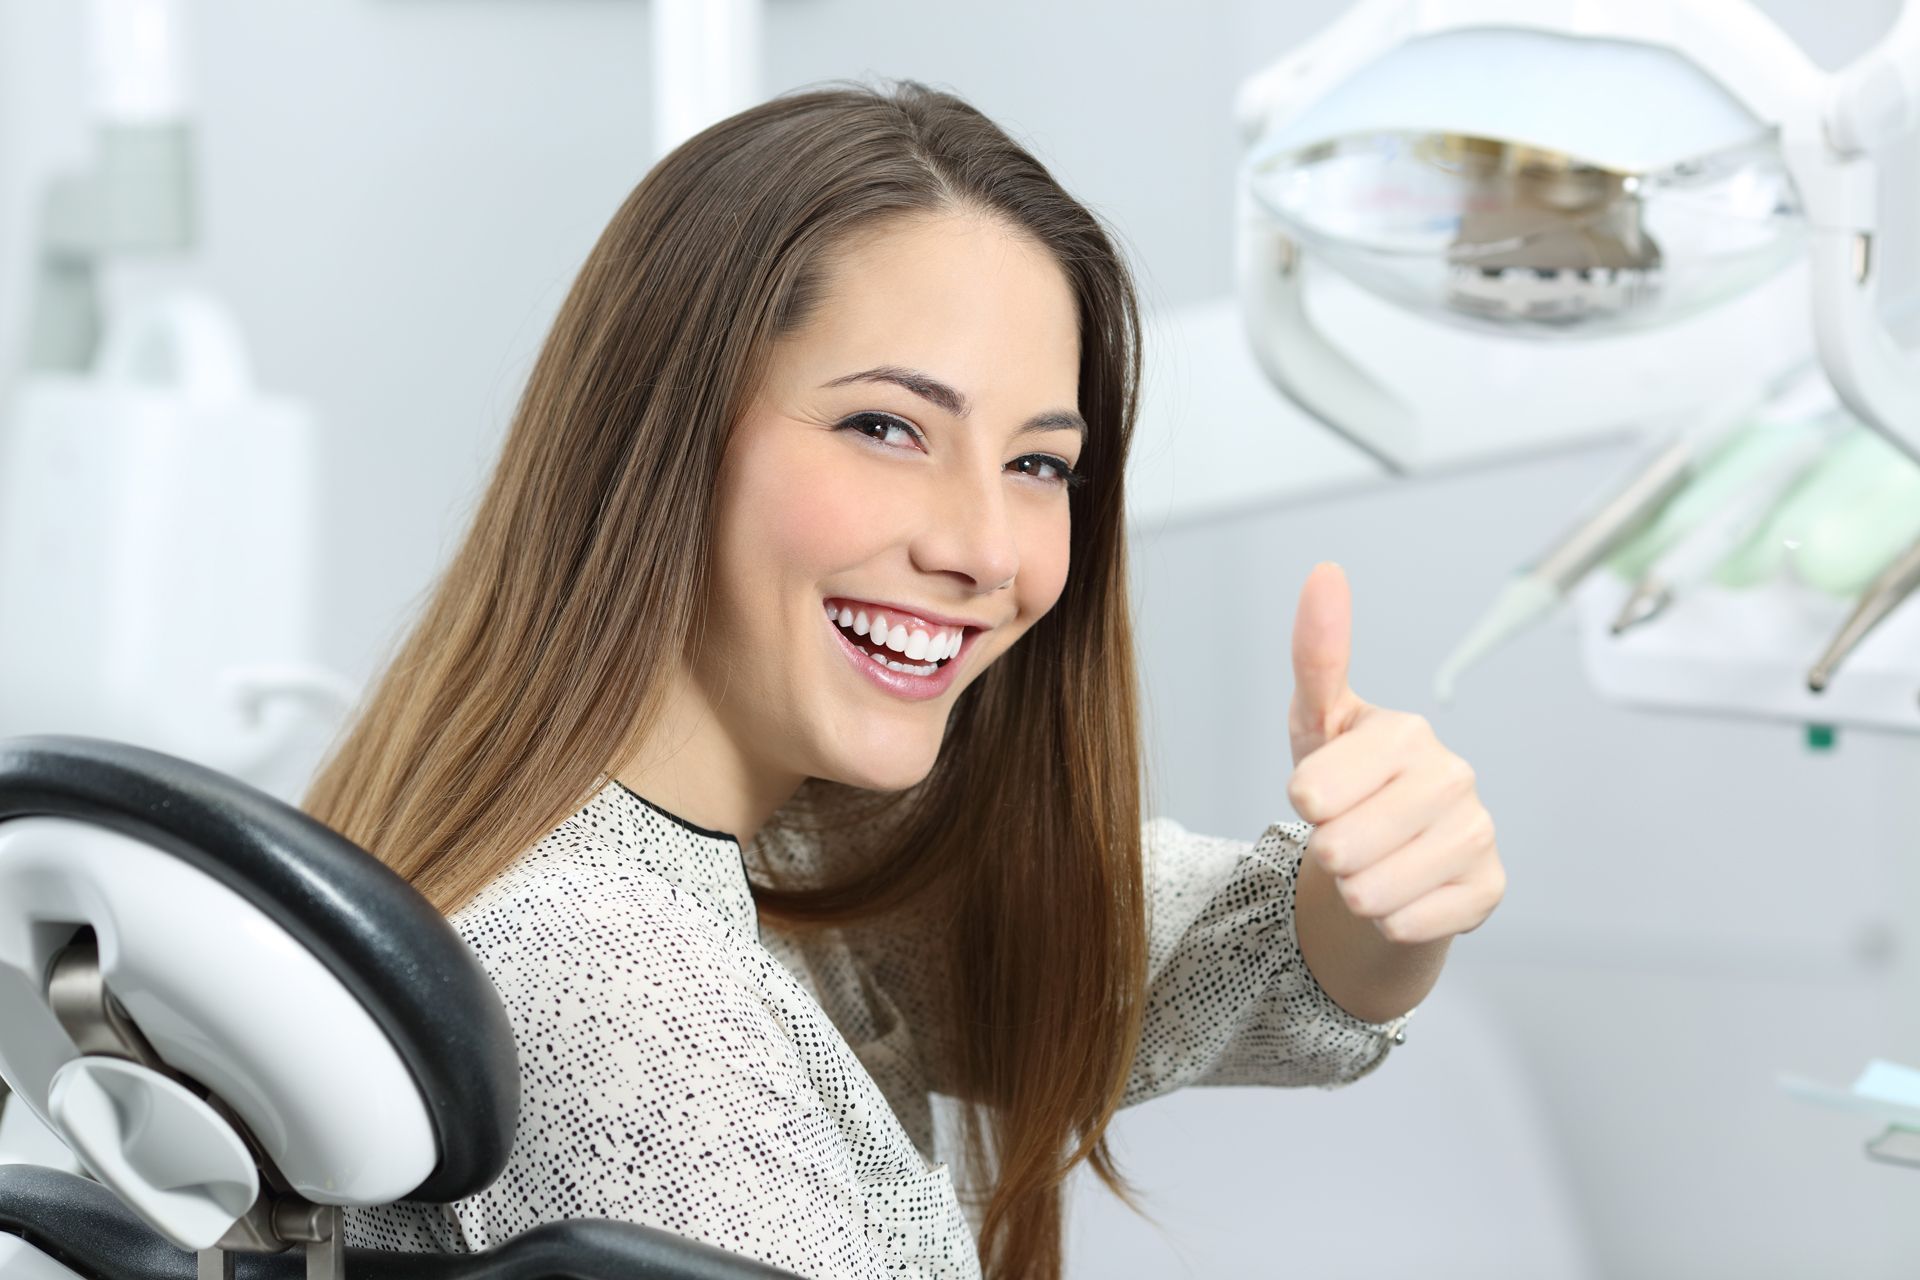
969, 531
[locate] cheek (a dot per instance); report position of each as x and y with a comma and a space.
788, 507
810, 517
1044, 553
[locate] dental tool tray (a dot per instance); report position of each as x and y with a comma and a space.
1748, 651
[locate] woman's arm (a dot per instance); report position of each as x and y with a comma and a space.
1368, 976
1230, 999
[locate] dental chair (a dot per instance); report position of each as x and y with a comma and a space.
241, 1023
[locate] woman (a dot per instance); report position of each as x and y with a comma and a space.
772, 734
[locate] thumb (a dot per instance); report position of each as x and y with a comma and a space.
1322, 646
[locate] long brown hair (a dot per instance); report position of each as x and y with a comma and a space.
537, 660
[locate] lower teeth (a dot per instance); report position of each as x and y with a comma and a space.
907, 667
910, 668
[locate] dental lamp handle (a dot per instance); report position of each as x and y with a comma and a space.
1835, 163
1873, 375
1876, 97
1299, 358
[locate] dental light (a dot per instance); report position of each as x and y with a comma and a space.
1567, 171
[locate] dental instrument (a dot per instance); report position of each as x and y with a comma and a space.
1745, 640
1536, 590
1791, 450
1898, 581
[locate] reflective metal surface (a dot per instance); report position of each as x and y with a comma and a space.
1503, 234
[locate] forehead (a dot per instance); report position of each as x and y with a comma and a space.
965, 298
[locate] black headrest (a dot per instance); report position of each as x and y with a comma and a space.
384, 941
87, 1229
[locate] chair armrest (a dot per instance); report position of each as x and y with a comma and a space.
86, 1228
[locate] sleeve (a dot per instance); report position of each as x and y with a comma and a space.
1230, 999
659, 1087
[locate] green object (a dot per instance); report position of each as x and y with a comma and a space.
1819, 737
1718, 479
1845, 549
1842, 524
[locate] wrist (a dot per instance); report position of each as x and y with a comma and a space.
1366, 973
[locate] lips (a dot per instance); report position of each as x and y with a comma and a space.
900, 684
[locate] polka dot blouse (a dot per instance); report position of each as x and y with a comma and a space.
682, 1068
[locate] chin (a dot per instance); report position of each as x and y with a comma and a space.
894, 770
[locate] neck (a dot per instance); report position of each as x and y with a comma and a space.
690, 765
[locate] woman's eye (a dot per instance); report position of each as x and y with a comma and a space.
880, 428
1047, 467
883, 423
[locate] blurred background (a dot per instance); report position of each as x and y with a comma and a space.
390, 198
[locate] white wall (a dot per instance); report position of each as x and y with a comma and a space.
397, 192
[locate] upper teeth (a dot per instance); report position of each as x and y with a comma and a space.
918, 643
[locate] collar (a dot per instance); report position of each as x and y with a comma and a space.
707, 865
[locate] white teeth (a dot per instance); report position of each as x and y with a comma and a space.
930, 647
909, 668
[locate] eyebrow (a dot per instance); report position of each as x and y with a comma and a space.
930, 388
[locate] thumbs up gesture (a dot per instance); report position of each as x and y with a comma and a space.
1398, 822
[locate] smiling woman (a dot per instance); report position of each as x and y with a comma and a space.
772, 734
886, 485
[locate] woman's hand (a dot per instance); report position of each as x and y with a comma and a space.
1399, 824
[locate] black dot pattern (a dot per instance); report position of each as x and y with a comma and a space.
1230, 1000
770, 1094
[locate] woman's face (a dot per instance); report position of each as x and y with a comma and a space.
905, 462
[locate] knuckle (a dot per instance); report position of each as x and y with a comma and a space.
1481, 832
1300, 795
1358, 897
1496, 886
1397, 929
